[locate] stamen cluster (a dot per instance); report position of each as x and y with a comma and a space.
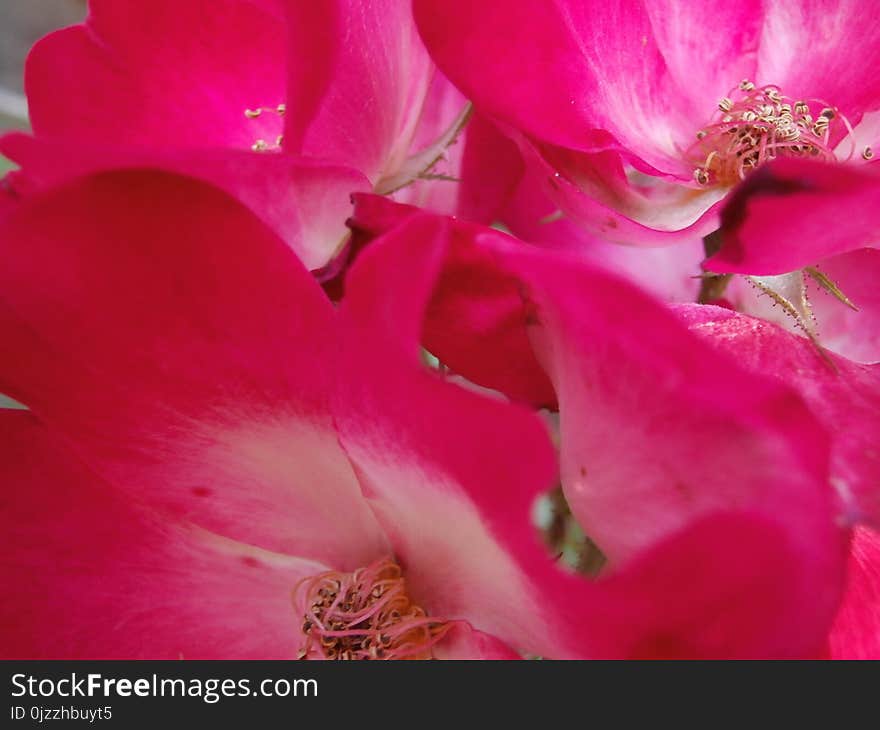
366, 614
755, 125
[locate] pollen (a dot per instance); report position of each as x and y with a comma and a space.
366, 614
754, 125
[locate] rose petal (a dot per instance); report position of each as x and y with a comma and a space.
730, 586
787, 215
422, 447
461, 471
706, 64
856, 631
305, 202
93, 575
844, 396
669, 272
650, 417
161, 74
475, 322
186, 356
840, 60
359, 78
561, 58
634, 209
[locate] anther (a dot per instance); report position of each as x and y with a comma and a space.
372, 618
867, 153
757, 125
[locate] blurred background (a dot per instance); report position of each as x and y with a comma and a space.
22, 22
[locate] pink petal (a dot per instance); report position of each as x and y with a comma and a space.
423, 447
856, 631
359, 79
646, 75
513, 58
787, 215
840, 64
475, 322
470, 467
731, 586
596, 191
491, 167
305, 202
623, 86
186, 356
845, 397
98, 576
626, 494
650, 417
161, 74
669, 272
708, 47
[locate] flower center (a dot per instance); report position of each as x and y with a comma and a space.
755, 125
366, 614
